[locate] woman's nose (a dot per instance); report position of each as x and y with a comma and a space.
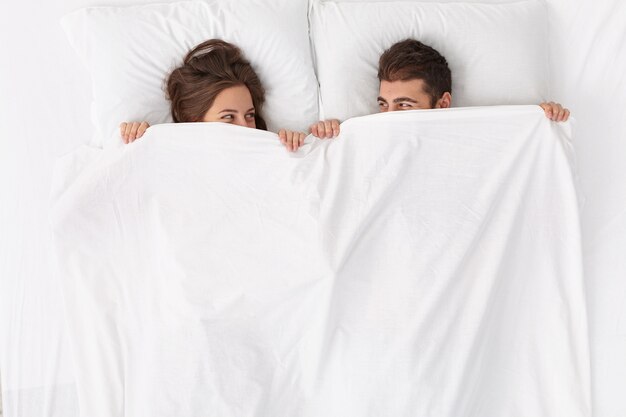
240, 121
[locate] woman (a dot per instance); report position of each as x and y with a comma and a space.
215, 84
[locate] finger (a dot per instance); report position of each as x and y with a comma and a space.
123, 132
129, 130
314, 131
301, 139
335, 127
565, 115
547, 108
142, 129
292, 142
282, 135
133, 131
556, 110
558, 115
287, 138
129, 126
296, 141
321, 128
328, 129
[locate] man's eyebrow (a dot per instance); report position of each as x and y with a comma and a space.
381, 99
401, 99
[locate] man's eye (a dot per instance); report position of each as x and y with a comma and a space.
405, 105
382, 104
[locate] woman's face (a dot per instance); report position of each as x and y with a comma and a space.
232, 105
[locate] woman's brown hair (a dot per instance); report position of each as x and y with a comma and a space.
207, 70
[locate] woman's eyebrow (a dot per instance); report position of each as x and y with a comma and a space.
236, 111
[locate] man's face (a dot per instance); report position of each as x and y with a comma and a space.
407, 95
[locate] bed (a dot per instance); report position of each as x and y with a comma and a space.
574, 53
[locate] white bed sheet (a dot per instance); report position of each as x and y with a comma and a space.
44, 113
421, 264
588, 43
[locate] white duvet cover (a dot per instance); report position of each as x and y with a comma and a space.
421, 264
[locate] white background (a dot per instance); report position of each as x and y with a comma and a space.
44, 113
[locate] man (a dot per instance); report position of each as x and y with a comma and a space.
413, 76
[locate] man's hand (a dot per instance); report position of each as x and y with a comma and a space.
131, 131
555, 112
292, 140
325, 129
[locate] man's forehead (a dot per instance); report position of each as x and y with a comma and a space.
392, 90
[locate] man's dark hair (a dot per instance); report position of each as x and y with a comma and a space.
410, 60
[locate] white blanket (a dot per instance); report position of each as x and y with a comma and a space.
422, 264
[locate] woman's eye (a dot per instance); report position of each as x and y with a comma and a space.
227, 117
250, 115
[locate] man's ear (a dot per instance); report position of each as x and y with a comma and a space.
444, 102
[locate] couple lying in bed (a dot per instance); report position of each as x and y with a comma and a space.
217, 84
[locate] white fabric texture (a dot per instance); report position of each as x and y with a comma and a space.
130, 51
589, 72
44, 113
423, 263
497, 52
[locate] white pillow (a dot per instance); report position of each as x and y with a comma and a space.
497, 52
129, 52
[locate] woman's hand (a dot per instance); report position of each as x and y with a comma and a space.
292, 140
131, 131
325, 129
555, 112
